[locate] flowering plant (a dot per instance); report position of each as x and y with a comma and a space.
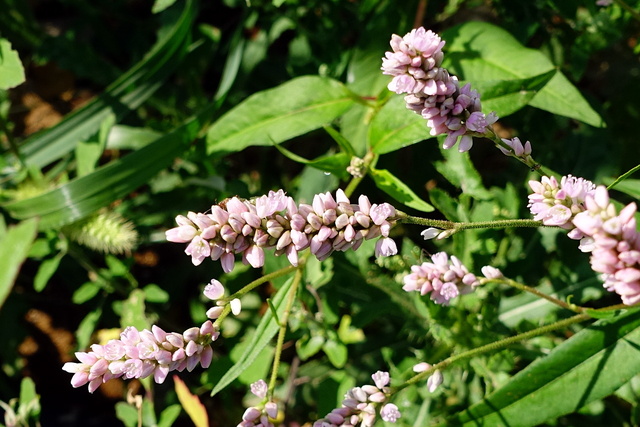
437, 263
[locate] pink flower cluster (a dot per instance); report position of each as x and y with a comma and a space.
615, 245
359, 407
140, 354
259, 416
248, 227
557, 204
415, 64
445, 279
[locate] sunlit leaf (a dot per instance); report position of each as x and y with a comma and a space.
11, 69
191, 403
481, 51
276, 115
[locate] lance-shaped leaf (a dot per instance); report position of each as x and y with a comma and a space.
123, 95
397, 189
276, 115
589, 366
479, 51
84, 195
14, 246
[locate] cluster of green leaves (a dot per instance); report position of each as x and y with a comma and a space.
242, 97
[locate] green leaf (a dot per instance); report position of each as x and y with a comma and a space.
347, 333
459, 171
630, 187
169, 415
47, 268
395, 127
589, 366
154, 293
265, 331
127, 413
505, 97
309, 347
126, 93
87, 327
397, 189
336, 352
191, 404
14, 246
276, 115
27, 391
88, 153
11, 69
160, 5
481, 51
85, 292
133, 311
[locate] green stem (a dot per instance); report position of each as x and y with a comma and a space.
498, 345
458, 226
528, 160
537, 293
283, 330
247, 288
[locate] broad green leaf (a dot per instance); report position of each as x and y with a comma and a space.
505, 97
88, 152
266, 330
276, 115
481, 51
85, 195
394, 127
11, 69
191, 403
133, 311
589, 366
397, 189
459, 171
27, 391
126, 93
14, 247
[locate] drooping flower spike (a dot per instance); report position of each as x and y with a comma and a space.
443, 278
140, 354
274, 221
615, 243
415, 64
361, 406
